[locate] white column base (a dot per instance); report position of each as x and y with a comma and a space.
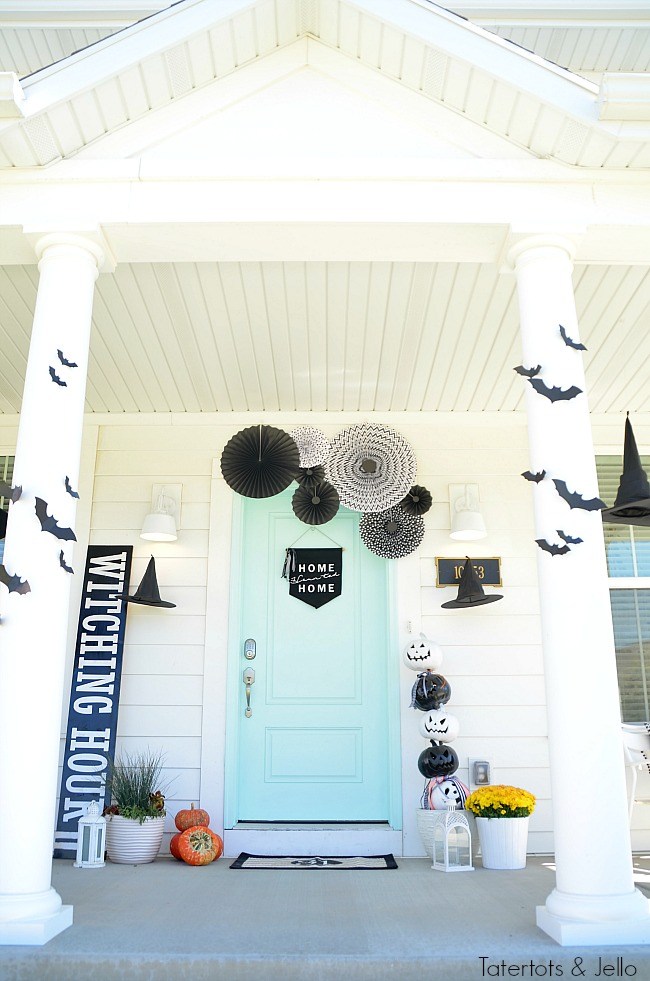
37, 931
596, 930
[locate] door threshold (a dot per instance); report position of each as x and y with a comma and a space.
312, 839
310, 825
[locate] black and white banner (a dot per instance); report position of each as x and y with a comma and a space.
314, 574
95, 690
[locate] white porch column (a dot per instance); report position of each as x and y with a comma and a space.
594, 901
34, 625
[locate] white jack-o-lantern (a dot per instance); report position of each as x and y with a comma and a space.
440, 726
423, 654
442, 791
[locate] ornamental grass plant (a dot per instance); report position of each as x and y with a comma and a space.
134, 786
500, 801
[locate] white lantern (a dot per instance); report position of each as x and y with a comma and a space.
91, 840
452, 841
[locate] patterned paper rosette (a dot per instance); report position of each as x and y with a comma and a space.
313, 446
260, 461
371, 466
392, 533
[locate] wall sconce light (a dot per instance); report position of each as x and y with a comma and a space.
161, 523
467, 524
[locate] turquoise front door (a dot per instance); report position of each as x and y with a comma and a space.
317, 745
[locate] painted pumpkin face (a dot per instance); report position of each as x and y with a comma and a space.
422, 655
437, 760
449, 790
439, 725
431, 691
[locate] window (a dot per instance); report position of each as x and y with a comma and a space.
6, 473
628, 564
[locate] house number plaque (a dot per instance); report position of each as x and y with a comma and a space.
449, 571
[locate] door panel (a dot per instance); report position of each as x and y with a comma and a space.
316, 745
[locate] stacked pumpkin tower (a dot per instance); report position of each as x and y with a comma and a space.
194, 842
438, 763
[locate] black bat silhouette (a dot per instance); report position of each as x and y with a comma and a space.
575, 500
552, 549
55, 378
536, 477
64, 362
69, 489
14, 583
63, 565
569, 343
528, 372
554, 394
50, 524
568, 539
13, 493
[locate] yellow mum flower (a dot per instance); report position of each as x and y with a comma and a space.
499, 801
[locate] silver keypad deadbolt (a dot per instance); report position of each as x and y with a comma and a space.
250, 649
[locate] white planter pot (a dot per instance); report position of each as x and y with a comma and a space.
503, 842
130, 843
426, 826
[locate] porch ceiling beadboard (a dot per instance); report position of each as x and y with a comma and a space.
359, 336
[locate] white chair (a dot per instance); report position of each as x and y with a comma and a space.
636, 747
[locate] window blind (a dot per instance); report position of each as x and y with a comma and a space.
6, 473
628, 557
627, 546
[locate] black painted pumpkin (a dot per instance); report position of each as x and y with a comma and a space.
437, 760
431, 691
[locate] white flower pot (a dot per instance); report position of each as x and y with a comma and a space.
130, 843
503, 842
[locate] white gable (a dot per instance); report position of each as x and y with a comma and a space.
303, 103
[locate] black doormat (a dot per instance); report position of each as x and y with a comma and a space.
247, 861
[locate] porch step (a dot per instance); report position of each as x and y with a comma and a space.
169, 922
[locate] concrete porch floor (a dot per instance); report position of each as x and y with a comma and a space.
167, 920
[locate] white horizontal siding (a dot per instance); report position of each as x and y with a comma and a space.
492, 655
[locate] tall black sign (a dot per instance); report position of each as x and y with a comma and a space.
95, 690
315, 574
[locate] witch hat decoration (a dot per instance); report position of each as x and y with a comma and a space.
632, 504
470, 591
147, 592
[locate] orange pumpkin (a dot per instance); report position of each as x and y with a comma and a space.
173, 846
192, 818
218, 843
197, 846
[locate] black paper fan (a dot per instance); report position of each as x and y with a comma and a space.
315, 504
308, 476
417, 501
260, 461
313, 445
371, 466
392, 533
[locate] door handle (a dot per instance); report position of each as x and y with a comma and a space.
249, 679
